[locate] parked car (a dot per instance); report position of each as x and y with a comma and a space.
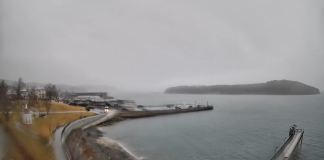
107, 109
140, 106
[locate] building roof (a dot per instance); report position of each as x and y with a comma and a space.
26, 111
23, 90
88, 98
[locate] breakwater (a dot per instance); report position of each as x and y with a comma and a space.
82, 143
151, 113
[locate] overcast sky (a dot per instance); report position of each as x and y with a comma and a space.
154, 44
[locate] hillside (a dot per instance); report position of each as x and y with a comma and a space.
68, 88
275, 87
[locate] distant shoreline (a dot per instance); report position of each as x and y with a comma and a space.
275, 87
245, 94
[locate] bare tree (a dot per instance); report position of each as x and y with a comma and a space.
4, 100
32, 97
51, 93
18, 86
58, 94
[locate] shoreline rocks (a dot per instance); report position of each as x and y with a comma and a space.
90, 144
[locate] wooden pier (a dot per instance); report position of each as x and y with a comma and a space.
287, 149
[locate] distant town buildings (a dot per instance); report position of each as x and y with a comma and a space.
24, 93
100, 94
92, 98
11, 93
40, 93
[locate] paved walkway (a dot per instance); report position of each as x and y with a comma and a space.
109, 115
57, 144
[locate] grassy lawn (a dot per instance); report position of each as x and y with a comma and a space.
27, 145
55, 106
44, 126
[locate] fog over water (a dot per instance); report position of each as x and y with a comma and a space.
149, 45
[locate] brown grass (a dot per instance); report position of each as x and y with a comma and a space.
55, 106
26, 145
13, 151
44, 126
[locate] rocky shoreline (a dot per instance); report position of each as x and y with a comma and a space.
91, 144
103, 147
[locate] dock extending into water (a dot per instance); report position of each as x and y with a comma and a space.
150, 113
286, 150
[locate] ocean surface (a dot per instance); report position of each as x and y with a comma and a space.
241, 127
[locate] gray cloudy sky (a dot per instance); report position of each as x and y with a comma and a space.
154, 44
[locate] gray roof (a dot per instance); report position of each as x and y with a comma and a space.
89, 98
26, 111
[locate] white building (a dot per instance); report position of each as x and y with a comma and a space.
24, 93
11, 93
40, 93
27, 116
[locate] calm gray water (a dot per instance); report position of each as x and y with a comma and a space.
240, 127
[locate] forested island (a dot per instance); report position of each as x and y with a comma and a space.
275, 87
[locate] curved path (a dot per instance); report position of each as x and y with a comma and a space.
58, 140
109, 115
57, 145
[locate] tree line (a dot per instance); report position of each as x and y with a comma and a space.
280, 87
16, 100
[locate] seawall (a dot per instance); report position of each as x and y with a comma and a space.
81, 143
68, 129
